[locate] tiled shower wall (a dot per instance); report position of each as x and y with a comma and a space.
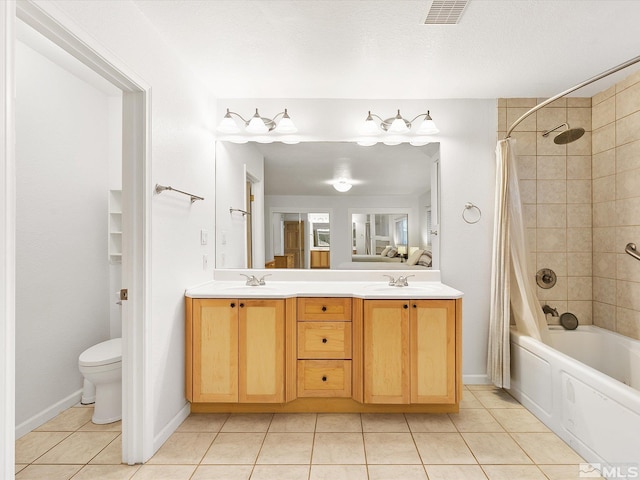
616, 207
555, 183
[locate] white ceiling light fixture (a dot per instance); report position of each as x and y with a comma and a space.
342, 185
395, 130
257, 125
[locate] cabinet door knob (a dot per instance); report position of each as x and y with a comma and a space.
405, 306
415, 306
242, 305
324, 309
324, 378
324, 340
233, 305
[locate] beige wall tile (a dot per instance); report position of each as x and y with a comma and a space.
579, 167
549, 118
627, 157
579, 117
502, 102
604, 315
604, 265
552, 191
551, 240
579, 288
555, 261
628, 294
627, 211
628, 101
603, 138
579, 240
526, 165
628, 184
628, 129
582, 102
527, 125
529, 215
604, 163
602, 96
530, 239
528, 189
579, 191
545, 146
604, 239
629, 81
582, 310
502, 120
526, 143
604, 214
552, 167
552, 216
604, 290
579, 215
603, 113
558, 103
627, 267
556, 293
628, 322
624, 235
581, 146
521, 102
604, 189
579, 264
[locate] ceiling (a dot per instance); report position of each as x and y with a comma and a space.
381, 49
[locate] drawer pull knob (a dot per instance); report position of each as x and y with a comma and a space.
324, 378
324, 340
324, 309
233, 305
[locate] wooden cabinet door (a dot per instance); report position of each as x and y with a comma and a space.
215, 350
261, 340
386, 351
433, 352
293, 241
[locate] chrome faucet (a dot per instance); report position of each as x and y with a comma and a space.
254, 281
401, 281
553, 311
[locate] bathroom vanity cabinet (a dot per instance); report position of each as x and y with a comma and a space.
340, 354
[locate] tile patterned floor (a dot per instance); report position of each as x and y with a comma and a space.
492, 438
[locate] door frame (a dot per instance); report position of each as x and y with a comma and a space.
137, 422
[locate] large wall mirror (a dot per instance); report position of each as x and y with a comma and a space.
277, 206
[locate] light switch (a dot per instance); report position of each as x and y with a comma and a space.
204, 237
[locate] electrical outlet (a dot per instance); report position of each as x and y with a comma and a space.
204, 237
205, 262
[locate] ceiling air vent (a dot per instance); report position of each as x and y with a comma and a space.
445, 12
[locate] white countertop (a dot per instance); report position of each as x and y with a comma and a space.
368, 286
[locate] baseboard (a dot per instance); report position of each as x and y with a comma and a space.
44, 416
171, 427
480, 379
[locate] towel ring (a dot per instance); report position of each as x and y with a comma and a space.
470, 206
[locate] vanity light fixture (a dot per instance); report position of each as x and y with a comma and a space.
257, 125
342, 185
396, 130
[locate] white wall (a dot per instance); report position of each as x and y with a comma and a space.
233, 163
467, 146
62, 277
182, 155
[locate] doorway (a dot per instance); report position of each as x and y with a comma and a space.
137, 425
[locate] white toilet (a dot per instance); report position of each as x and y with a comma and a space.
101, 366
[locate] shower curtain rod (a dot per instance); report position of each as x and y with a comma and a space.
572, 89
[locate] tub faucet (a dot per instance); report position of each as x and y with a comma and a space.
553, 311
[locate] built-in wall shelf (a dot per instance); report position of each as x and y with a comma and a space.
115, 226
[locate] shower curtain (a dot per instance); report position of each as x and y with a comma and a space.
512, 287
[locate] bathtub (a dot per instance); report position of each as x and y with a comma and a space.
585, 387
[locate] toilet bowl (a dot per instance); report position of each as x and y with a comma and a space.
101, 366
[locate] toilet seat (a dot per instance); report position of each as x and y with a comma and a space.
104, 353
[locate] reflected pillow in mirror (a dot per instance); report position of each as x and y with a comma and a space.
392, 252
425, 259
414, 257
384, 252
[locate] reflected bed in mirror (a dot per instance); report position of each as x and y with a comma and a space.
299, 220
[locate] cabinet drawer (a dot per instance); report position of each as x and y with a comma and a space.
321, 308
324, 378
324, 340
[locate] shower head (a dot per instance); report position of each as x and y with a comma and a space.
567, 136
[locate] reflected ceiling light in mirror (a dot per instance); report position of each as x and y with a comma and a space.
342, 185
257, 124
395, 130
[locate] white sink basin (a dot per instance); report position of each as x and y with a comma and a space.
408, 289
